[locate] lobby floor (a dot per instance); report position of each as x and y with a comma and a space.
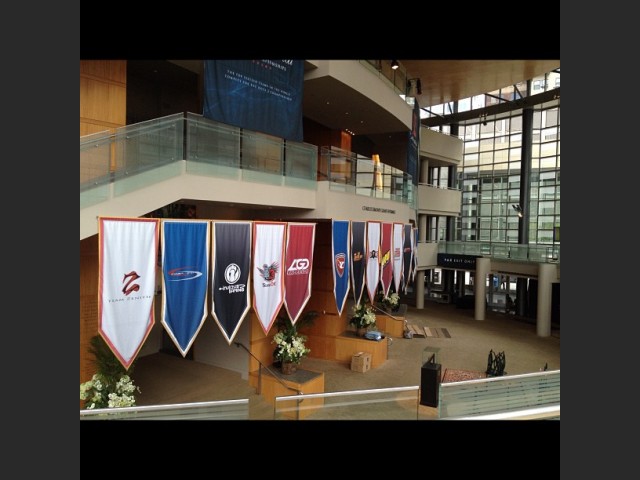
167, 379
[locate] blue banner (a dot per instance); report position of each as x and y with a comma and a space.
260, 95
341, 271
185, 261
413, 144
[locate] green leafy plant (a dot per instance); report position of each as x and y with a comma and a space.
111, 386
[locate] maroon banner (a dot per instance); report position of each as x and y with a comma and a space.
298, 265
386, 266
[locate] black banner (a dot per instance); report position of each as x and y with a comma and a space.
453, 260
406, 255
260, 95
231, 265
358, 259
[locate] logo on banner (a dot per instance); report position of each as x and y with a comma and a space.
299, 266
179, 274
339, 261
232, 273
397, 252
373, 254
357, 256
268, 273
385, 258
128, 288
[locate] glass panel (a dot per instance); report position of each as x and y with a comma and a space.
400, 403
95, 160
262, 153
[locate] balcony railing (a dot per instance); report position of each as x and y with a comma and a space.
114, 163
349, 172
507, 251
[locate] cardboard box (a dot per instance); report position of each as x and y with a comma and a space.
361, 362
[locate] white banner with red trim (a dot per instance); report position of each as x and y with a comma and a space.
126, 285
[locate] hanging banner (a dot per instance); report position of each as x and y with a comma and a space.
260, 95
397, 255
185, 269
373, 259
126, 285
340, 253
413, 144
299, 263
407, 257
358, 262
414, 254
230, 275
386, 267
268, 281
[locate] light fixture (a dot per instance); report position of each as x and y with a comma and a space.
394, 64
518, 209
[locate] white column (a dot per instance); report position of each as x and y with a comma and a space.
483, 265
546, 274
424, 170
422, 227
419, 286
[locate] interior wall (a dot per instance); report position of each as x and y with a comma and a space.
103, 95
88, 303
211, 347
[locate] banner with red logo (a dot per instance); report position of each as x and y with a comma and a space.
358, 258
397, 255
340, 253
386, 267
230, 275
299, 263
185, 269
268, 281
126, 285
373, 259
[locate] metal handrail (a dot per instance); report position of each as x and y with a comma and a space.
275, 375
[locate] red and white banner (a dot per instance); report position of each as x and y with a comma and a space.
397, 257
373, 259
386, 267
126, 285
298, 263
268, 281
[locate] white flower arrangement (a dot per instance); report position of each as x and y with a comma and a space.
391, 301
290, 346
99, 394
363, 316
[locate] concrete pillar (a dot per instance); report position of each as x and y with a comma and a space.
546, 274
419, 285
422, 228
460, 282
424, 170
483, 265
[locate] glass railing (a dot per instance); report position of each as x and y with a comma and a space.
135, 156
506, 251
352, 173
498, 395
398, 403
218, 410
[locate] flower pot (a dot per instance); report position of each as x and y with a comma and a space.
361, 331
288, 368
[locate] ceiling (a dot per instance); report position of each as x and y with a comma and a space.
339, 107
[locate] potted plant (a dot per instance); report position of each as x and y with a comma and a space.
363, 318
290, 344
111, 386
392, 302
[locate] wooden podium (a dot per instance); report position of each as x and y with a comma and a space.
393, 327
305, 381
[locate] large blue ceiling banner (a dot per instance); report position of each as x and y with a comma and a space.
260, 95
